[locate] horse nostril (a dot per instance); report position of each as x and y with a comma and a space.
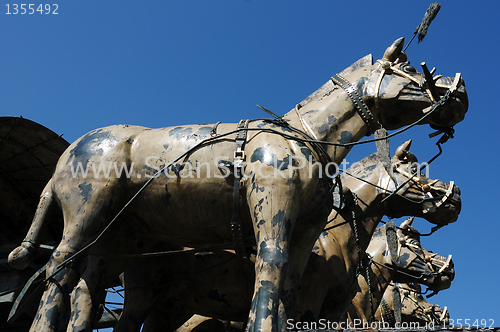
456, 191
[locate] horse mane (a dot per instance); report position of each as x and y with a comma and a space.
329, 87
380, 231
362, 168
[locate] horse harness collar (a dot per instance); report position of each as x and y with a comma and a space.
358, 102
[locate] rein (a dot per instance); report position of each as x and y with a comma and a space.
429, 315
427, 112
395, 250
423, 273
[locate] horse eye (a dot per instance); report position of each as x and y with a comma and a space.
414, 242
408, 68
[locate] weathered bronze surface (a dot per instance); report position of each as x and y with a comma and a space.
414, 264
284, 216
218, 283
382, 278
415, 308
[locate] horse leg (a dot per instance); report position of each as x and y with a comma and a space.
87, 296
142, 294
273, 208
104, 265
138, 299
306, 232
55, 296
59, 285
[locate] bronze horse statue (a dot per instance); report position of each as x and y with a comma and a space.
413, 264
414, 307
166, 292
194, 186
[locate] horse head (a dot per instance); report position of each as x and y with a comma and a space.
435, 271
406, 191
392, 93
394, 77
413, 263
416, 308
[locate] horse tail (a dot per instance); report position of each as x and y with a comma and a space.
22, 256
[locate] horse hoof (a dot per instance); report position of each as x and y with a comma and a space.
21, 257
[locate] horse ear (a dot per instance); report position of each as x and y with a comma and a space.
363, 62
395, 50
407, 222
399, 154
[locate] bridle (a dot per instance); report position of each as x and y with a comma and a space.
420, 263
426, 314
423, 262
426, 188
388, 66
429, 314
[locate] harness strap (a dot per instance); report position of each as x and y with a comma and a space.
392, 243
26, 296
239, 158
444, 198
443, 315
387, 314
361, 107
446, 264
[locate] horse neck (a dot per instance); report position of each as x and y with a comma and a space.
380, 277
344, 234
366, 212
332, 118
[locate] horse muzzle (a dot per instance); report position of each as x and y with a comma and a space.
438, 315
443, 204
443, 272
454, 108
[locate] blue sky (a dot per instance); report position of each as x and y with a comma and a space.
164, 63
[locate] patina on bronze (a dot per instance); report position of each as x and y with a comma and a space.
415, 308
218, 283
413, 264
284, 216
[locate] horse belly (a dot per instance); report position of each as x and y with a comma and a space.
189, 213
217, 284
